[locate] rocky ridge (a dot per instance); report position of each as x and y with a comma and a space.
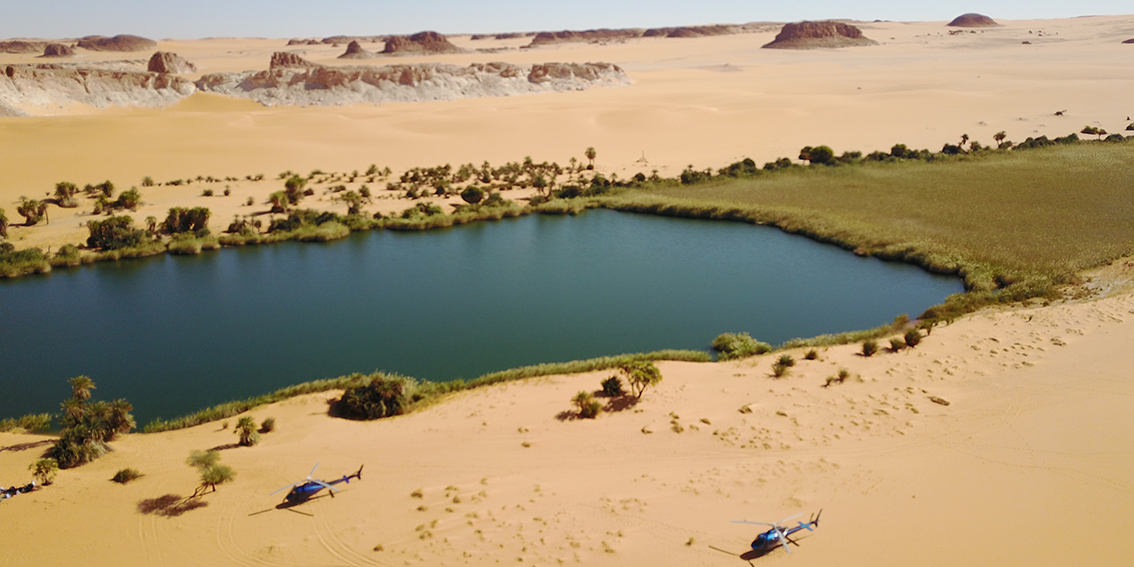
817, 35
116, 43
19, 46
305, 83
421, 42
32, 89
57, 50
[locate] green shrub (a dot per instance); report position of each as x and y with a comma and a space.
589, 407
641, 374
739, 345
181, 220
126, 475
779, 369
472, 195
207, 193
787, 360
838, 378
913, 337
268, 425
869, 347
30, 423
382, 396
811, 354
612, 387
115, 233
897, 344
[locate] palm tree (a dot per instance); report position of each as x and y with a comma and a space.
81, 387
246, 429
119, 420
73, 411
590, 153
212, 476
44, 470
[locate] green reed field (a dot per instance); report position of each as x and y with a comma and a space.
1031, 218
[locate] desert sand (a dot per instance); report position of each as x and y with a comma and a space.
703, 101
1030, 464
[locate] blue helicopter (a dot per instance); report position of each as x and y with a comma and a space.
779, 535
303, 490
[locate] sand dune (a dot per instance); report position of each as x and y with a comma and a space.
1035, 442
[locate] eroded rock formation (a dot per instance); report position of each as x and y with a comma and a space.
422, 42
167, 62
355, 51
815, 35
20, 46
568, 36
32, 89
286, 60
57, 50
117, 43
320, 85
972, 20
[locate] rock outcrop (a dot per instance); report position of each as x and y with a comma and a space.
972, 20
355, 51
319, 85
599, 35
167, 62
286, 60
419, 43
57, 50
19, 46
815, 35
117, 43
35, 89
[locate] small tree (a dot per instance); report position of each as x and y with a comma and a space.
612, 387
147, 181
822, 155
353, 202
999, 137
641, 374
591, 154
44, 470
913, 337
212, 472
3, 224
81, 387
246, 430
472, 195
278, 201
1093, 130
869, 347
129, 199
32, 210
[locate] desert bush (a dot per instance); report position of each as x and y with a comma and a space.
787, 360
246, 430
612, 387
129, 199
44, 470
589, 407
811, 354
147, 181
19, 262
268, 425
207, 193
382, 396
821, 155
897, 344
739, 345
422, 210
869, 347
30, 423
913, 337
3, 224
65, 194
839, 378
779, 369
294, 189
126, 475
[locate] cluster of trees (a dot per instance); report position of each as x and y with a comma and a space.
182, 220
116, 233
640, 374
381, 397
89, 425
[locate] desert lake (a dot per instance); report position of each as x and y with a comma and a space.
176, 334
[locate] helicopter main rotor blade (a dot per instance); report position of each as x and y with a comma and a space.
325, 485
783, 540
312, 471
292, 485
788, 518
753, 523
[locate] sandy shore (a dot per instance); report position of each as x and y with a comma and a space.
1030, 464
706, 102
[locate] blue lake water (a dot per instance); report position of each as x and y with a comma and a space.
176, 334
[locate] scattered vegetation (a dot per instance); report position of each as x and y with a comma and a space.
211, 471
913, 338
126, 475
839, 378
897, 344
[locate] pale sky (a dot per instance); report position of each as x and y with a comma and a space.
158, 19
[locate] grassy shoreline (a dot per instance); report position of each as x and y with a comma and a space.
426, 392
